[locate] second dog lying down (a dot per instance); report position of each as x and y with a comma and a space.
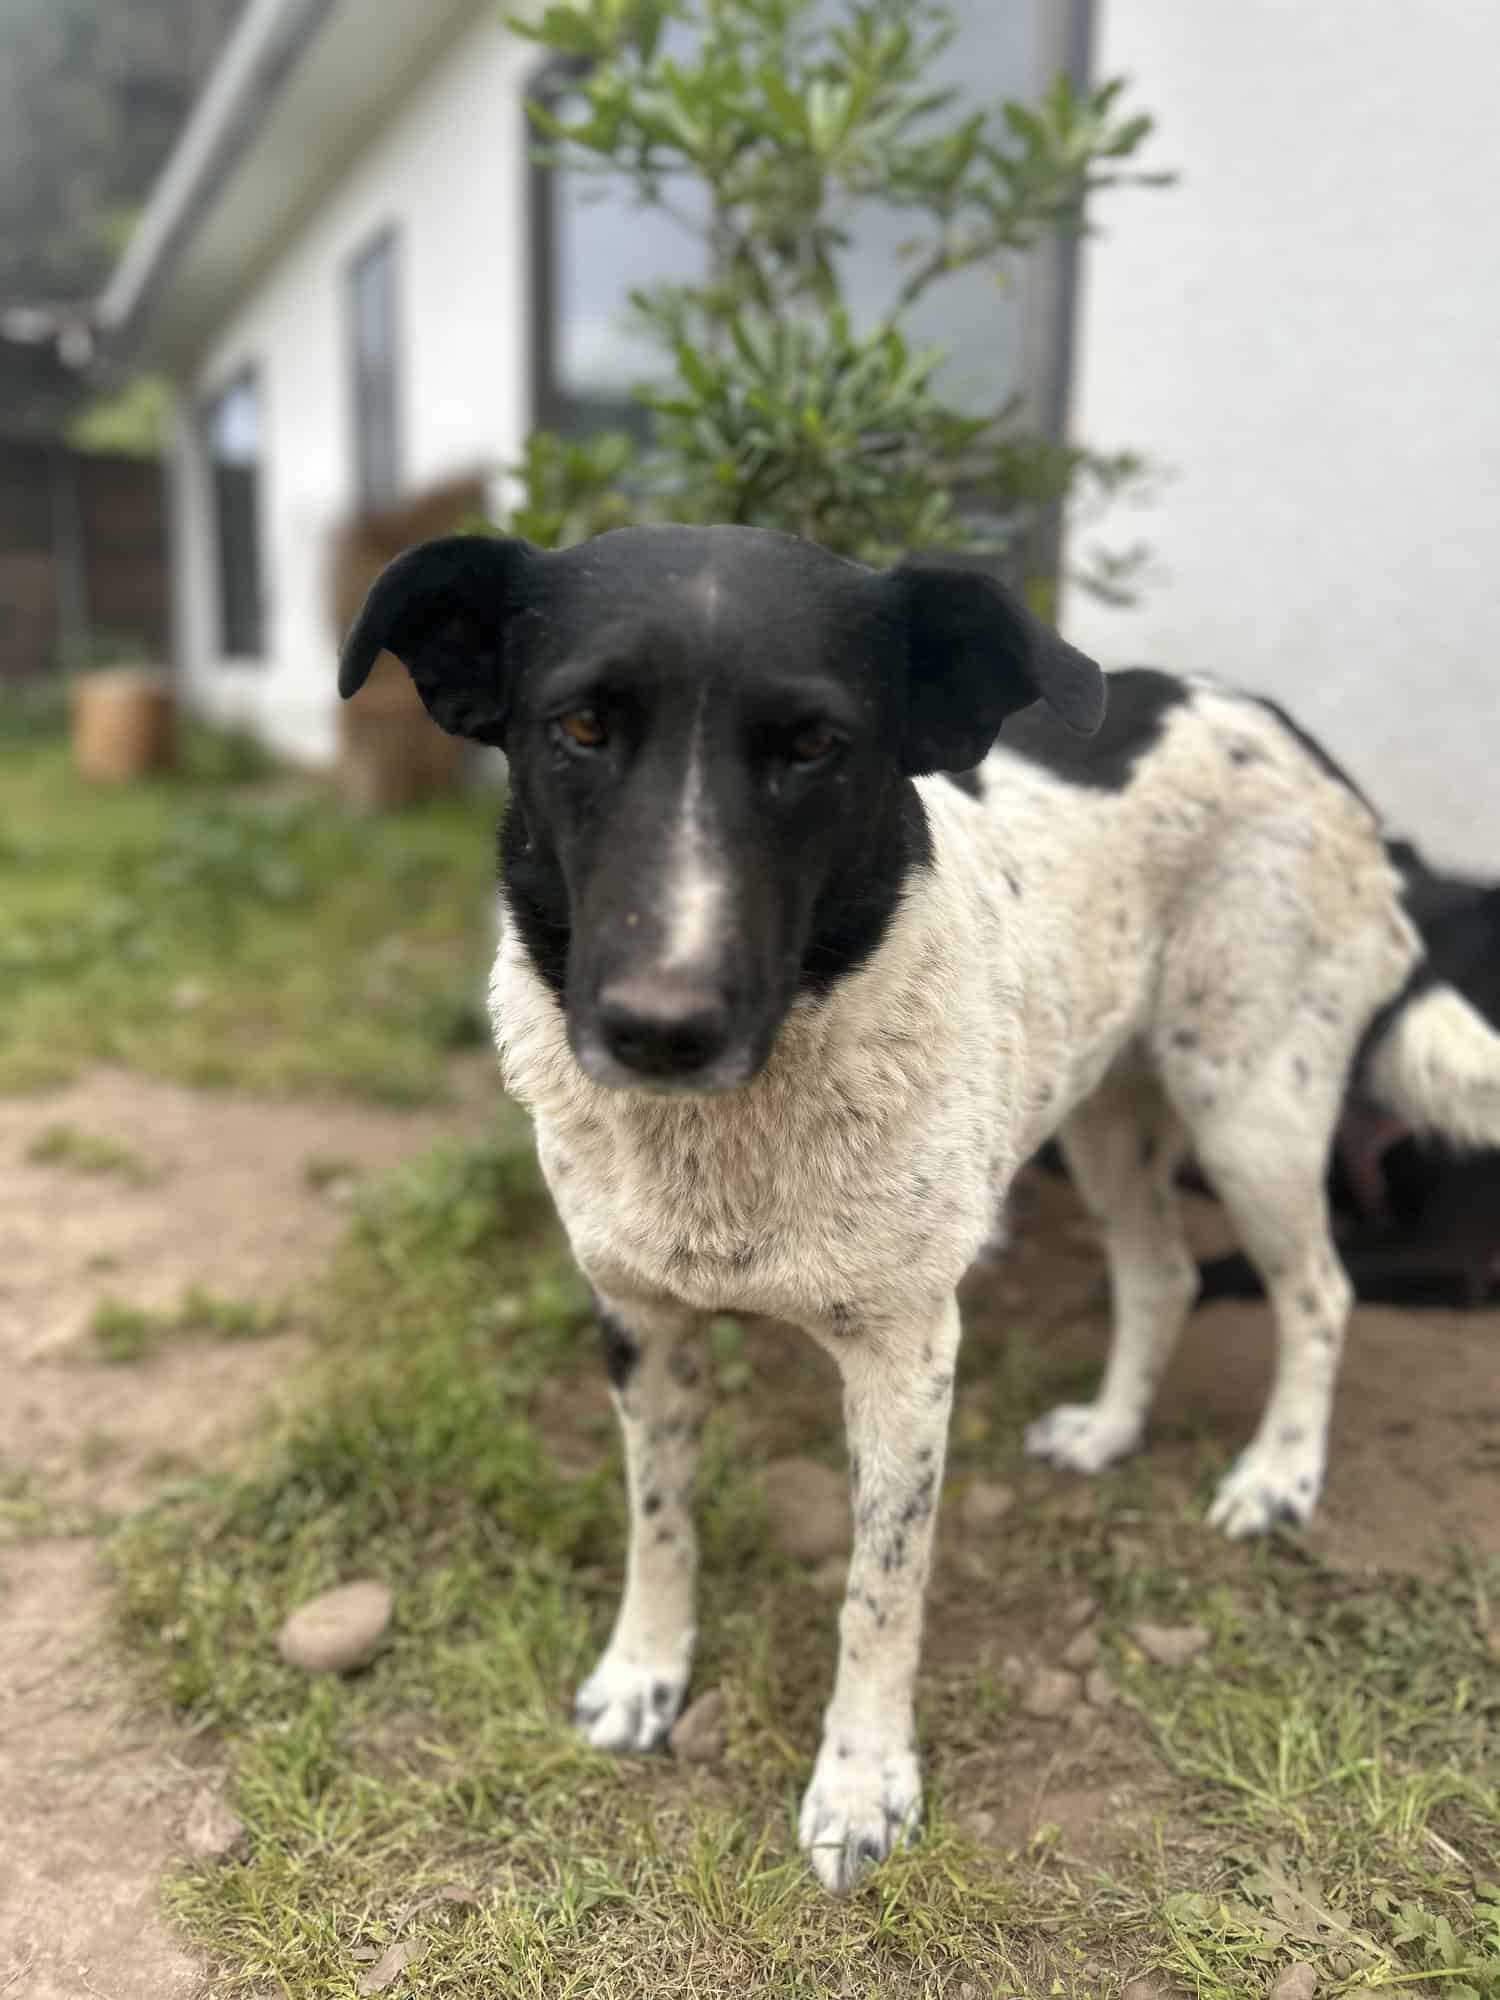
1418, 1222
790, 1007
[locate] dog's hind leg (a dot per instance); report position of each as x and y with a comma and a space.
659, 1381
1265, 1152
866, 1788
1123, 1148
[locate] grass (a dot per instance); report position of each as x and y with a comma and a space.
90, 1153
1324, 1785
30, 1511
224, 927
123, 1334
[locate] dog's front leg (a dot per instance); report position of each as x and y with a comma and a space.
866, 1790
659, 1382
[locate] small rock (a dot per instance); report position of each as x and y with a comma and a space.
978, 1824
1079, 1611
1298, 1982
698, 1734
1049, 1693
1170, 1645
213, 1832
1099, 1689
1146, 1989
1082, 1650
1013, 1670
808, 1507
984, 1503
339, 1631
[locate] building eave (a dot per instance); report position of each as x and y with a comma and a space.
300, 87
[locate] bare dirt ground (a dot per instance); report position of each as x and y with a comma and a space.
94, 1792
1415, 1450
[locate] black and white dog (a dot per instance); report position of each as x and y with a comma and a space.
1418, 1222
790, 1006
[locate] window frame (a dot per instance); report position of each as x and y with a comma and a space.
376, 486
1048, 362
239, 600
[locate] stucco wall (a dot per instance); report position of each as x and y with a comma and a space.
449, 172
1305, 335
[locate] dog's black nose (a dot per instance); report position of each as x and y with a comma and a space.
659, 1029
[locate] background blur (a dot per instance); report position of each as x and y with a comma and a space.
300, 248
283, 289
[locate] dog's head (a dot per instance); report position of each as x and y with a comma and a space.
710, 734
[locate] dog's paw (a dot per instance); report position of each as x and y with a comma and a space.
860, 1805
1268, 1487
629, 1704
1081, 1437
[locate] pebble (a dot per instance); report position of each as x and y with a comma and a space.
697, 1736
1099, 1689
1079, 1611
339, 1631
1170, 1645
1298, 1982
1082, 1650
984, 1503
213, 1832
1049, 1693
808, 1508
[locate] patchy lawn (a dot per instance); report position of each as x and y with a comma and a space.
1321, 1783
231, 928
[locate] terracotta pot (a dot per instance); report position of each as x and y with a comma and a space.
123, 723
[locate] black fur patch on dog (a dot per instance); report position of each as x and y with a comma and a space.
1140, 701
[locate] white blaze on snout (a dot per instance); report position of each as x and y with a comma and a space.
695, 890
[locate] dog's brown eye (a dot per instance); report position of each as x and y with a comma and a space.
583, 727
812, 744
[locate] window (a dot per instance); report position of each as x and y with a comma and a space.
375, 369
592, 247
234, 424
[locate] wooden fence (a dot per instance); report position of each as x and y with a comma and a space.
83, 559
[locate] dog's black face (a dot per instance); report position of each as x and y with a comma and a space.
711, 735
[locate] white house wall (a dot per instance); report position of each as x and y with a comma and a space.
1304, 335
449, 172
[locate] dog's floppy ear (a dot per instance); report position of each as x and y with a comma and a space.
975, 655
445, 609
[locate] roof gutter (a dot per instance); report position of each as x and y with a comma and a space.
270, 38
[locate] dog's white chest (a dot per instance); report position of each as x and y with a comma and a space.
850, 1182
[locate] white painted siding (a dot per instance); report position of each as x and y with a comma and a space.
1305, 334
449, 172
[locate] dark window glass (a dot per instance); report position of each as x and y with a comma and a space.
235, 427
375, 370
